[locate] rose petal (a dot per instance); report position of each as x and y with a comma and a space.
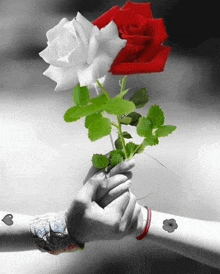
78, 56
55, 31
110, 42
106, 17
149, 52
137, 39
93, 45
80, 32
109, 32
156, 29
86, 24
129, 17
112, 48
58, 51
141, 8
156, 65
66, 78
129, 54
99, 67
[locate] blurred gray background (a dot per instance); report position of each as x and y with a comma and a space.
43, 159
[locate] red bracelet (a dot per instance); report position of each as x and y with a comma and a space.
145, 231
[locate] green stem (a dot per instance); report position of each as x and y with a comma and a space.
121, 136
123, 85
118, 116
103, 89
114, 125
136, 150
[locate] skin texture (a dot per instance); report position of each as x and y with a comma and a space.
193, 238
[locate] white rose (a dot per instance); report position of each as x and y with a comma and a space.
78, 52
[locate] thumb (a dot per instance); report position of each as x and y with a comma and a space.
89, 190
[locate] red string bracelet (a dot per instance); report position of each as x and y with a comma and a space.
145, 231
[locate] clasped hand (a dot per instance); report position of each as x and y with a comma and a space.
105, 209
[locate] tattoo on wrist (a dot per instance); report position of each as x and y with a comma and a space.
169, 225
8, 219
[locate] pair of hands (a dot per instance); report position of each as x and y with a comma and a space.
105, 209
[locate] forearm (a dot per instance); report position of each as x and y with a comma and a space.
196, 239
16, 237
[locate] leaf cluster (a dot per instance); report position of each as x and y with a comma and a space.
92, 109
151, 127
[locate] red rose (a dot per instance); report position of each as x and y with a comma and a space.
144, 51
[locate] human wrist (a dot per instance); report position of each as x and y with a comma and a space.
15, 233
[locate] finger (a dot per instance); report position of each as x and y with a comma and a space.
132, 225
128, 214
90, 173
88, 192
122, 167
107, 185
118, 206
114, 193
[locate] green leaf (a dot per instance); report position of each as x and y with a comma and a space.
72, 114
140, 98
151, 140
141, 147
122, 94
100, 161
99, 100
96, 105
99, 128
81, 95
156, 116
164, 131
125, 120
126, 135
135, 116
91, 118
119, 106
116, 157
118, 143
122, 83
144, 127
130, 148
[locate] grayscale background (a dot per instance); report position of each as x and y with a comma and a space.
43, 160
